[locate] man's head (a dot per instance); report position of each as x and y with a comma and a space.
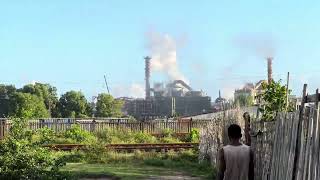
234, 132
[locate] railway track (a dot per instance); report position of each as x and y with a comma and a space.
128, 147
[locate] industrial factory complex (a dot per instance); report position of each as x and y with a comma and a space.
175, 98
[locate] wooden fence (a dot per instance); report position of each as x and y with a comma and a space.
153, 127
289, 147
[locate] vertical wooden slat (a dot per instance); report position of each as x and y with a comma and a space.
298, 141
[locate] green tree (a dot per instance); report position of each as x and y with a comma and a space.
107, 106
274, 100
27, 106
6, 92
73, 104
244, 100
46, 92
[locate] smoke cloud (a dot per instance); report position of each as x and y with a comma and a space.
134, 90
163, 50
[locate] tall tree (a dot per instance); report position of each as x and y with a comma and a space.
46, 92
73, 104
6, 92
27, 106
107, 106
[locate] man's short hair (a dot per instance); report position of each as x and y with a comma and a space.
234, 131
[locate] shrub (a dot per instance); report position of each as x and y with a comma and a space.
167, 132
194, 135
23, 159
44, 136
114, 136
141, 137
78, 135
169, 140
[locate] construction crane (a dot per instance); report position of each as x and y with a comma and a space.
105, 81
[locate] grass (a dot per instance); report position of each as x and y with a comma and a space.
124, 171
137, 165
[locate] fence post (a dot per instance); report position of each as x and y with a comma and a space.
93, 125
298, 140
2, 128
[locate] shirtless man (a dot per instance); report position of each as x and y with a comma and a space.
236, 159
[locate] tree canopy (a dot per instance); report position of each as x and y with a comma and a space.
6, 92
107, 106
41, 101
74, 104
46, 92
28, 106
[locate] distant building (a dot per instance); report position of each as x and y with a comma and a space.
250, 90
172, 99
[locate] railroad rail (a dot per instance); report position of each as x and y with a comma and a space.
128, 147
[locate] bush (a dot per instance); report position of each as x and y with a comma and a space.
194, 135
44, 136
141, 137
169, 140
23, 159
78, 135
167, 132
116, 136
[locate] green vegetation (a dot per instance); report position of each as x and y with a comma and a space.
243, 100
140, 165
73, 104
28, 106
22, 158
41, 101
107, 106
75, 135
274, 100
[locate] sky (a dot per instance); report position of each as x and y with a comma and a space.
213, 44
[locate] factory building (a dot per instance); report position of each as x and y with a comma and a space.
176, 98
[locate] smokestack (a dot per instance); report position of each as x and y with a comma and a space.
219, 94
269, 59
147, 75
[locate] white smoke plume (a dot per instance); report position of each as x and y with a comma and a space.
134, 90
163, 50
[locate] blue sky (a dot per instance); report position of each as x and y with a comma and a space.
72, 44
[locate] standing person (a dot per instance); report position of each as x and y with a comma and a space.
235, 159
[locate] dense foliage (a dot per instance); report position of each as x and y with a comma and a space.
274, 100
46, 92
107, 106
28, 106
22, 158
41, 101
73, 104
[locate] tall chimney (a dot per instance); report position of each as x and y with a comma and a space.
147, 75
269, 59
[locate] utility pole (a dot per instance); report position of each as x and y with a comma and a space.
287, 98
105, 81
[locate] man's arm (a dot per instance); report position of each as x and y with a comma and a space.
222, 165
251, 166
